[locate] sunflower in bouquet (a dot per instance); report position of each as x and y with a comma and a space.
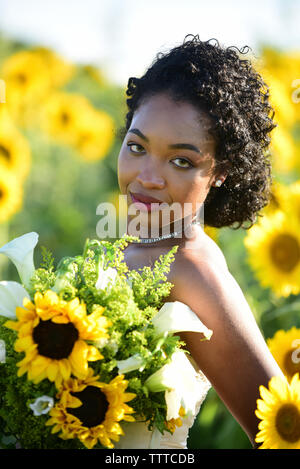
89, 345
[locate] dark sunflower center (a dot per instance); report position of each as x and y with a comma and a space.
55, 341
285, 252
65, 118
291, 363
288, 423
4, 152
93, 409
21, 78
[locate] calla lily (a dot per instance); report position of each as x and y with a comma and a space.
12, 295
130, 364
20, 252
182, 388
2, 351
178, 317
105, 277
171, 318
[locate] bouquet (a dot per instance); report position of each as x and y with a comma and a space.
88, 345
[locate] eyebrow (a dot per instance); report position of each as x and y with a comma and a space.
176, 146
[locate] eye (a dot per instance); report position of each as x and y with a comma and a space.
130, 145
188, 164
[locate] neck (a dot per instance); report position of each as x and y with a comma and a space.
171, 234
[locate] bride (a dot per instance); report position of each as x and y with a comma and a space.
196, 132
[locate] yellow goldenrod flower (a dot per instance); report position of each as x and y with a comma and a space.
11, 194
53, 334
91, 410
173, 423
285, 348
279, 412
273, 247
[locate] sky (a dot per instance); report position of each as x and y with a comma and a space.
124, 36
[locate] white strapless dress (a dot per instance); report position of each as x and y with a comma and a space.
137, 435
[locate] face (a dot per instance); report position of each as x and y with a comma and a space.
167, 154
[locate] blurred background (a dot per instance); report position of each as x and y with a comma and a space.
64, 67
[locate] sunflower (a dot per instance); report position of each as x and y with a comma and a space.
62, 116
15, 153
53, 334
60, 71
279, 71
91, 410
291, 199
285, 348
284, 150
273, 247
27, 82
279, 411
11, 194
95, 134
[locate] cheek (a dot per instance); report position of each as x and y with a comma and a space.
195, 191
125, 171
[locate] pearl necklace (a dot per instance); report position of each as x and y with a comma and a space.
160, 238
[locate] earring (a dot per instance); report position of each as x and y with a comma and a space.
218, 183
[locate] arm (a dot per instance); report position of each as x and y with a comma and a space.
236, 359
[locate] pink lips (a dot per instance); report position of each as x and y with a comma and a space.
144, 202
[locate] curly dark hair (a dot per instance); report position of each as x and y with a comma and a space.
218, 80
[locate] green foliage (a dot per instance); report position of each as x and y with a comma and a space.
150, 285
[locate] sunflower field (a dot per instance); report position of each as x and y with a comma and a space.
59, 146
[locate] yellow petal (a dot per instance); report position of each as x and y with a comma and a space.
52, 370
78, 359
93, 354
65, 369
23, 344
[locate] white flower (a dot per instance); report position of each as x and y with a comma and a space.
2, 351
177, 317
20, 252
180, 382
132, 363
12, 295
42, 405
108, 343
105, 277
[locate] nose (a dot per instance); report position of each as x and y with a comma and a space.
150, 176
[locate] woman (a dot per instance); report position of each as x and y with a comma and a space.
197, 131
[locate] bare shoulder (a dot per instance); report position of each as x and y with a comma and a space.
201, 263
201, 277
205, 250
